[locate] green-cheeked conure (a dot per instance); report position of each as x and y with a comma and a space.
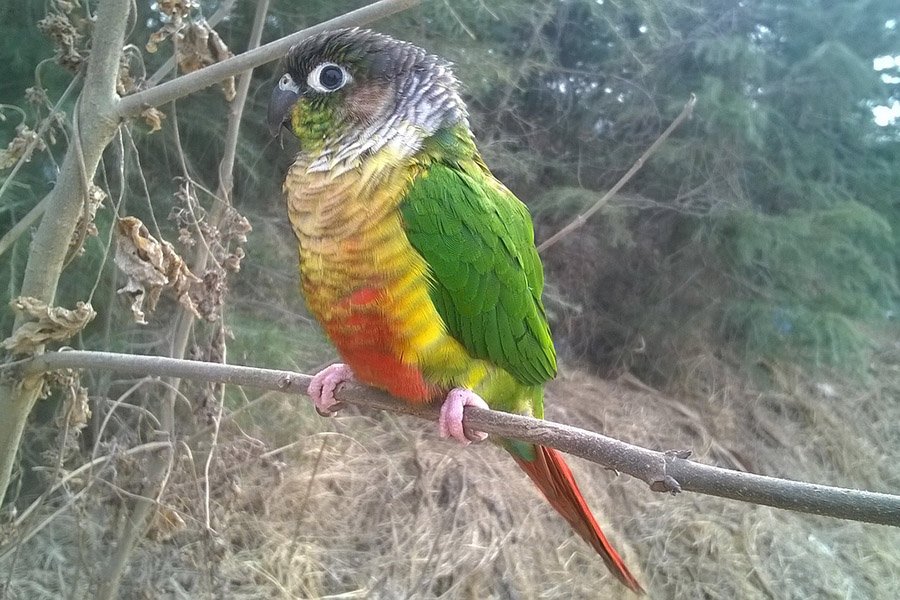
419, 264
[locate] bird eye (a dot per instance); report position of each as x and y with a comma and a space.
287, 83
331, 77
328, 77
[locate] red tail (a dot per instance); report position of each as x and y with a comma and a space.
551, 474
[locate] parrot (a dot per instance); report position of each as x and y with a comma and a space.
417, 262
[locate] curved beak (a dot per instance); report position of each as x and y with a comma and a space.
279, 107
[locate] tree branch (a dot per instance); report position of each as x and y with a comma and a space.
581, 219
134, 104
144, 508
235, 112
662, 471
10, 237
96, 125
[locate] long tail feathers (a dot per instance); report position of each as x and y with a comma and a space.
552, 476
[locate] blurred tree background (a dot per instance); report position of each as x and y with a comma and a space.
766, 231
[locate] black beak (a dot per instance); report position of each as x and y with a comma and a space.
279, 106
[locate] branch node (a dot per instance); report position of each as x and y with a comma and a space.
285, 383
666, 484
679, 453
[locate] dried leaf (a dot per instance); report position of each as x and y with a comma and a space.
177, 8
197, 45
220, 52
125, 83
156, 38
236, 227
48, 324
18, 147
173, 13
37, 96
76, 410
210, 297
228, 89
66, 37
96, 196
153, 118
166, 523
232, 262
192, 47
186, 237
151, 267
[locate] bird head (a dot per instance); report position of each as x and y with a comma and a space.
364, 89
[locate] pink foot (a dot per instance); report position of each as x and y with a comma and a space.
324, 383
450, 425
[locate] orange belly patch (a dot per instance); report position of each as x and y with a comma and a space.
370, 343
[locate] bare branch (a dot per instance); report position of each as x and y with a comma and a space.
583, 217
668, 472
132, 105
22, 225
236, 110
223, 194
20, 520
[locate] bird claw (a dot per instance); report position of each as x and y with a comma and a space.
450, 424
323, 385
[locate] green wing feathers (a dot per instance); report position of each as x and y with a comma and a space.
478, 239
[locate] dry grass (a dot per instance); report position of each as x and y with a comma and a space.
377, 507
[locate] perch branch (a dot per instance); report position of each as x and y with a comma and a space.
583, 217
662, 471
132, 105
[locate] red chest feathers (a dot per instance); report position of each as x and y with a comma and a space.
370, 342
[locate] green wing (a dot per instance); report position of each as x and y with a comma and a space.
478, 239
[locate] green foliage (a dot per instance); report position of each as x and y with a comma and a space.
807, 279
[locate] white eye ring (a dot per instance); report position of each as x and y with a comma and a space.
287, 83
313, 78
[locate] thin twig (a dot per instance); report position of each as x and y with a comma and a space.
4, 552
149, 446
236, 110
583, 217
668, 472
23, 224
47, 520
223, 200
265, 397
